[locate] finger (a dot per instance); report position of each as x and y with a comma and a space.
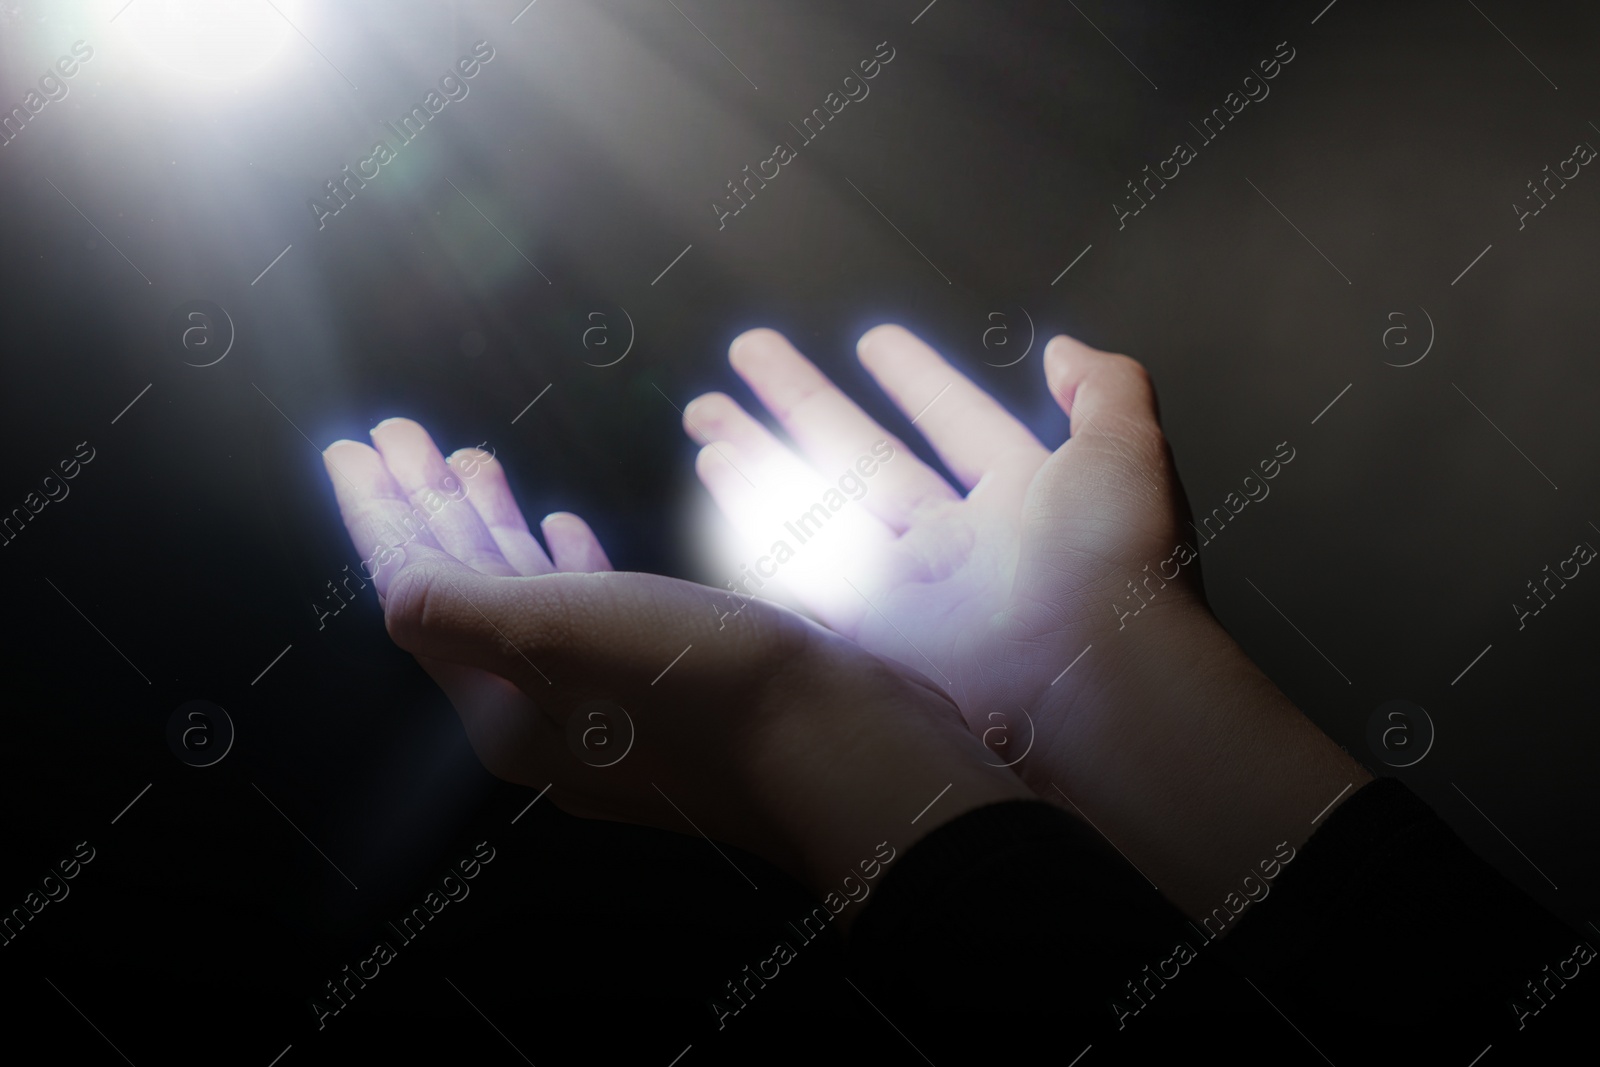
573, 546
768, 484
491, 498
1111, 404
971, 432
720, 467
438, 495
767, 465
772, 471
377, 513
830, 428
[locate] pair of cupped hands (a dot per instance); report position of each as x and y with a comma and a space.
982, 628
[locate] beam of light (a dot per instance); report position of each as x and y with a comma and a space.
218, 40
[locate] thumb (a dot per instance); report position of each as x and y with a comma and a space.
1107, 500
577, 635
1116, 451
1102, 393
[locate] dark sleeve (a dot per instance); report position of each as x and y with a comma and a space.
1387, 931
1384, 939
1015, 929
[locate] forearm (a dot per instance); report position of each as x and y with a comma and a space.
1193, 763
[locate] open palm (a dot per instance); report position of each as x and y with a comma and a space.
1056, 600
990, 592
616, 693
403, 492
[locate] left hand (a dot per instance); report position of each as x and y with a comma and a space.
773, 734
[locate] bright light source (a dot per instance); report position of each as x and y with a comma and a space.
220, 40
795, 532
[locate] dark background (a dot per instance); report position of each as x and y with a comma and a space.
191, 549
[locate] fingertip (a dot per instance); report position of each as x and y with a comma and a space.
1104, 384
749, 346
394, 422
404, 444
708, 460
720, 463
473, 455
1063, 345
875, 340
1059, 377
565, 521
1067, 356
345, 460
573, 544
1064, 348
703, 408
882, 330
1055, 356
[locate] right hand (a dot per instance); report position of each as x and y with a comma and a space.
991, 589
1164, 735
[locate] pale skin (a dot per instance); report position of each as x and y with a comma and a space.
776, 735
1164, 734
809, 747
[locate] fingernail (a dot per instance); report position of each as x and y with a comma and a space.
742, 341
870, 341
385, 422
748, 346
702, 406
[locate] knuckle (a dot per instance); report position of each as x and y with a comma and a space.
1147, 438
410, 606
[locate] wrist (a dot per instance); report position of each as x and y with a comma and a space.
1190, 759
851, 766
